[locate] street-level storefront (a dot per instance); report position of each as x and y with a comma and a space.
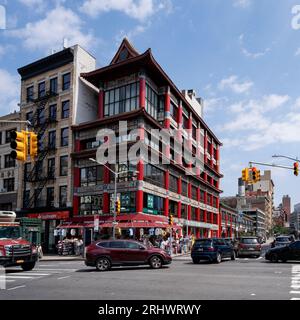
50, 220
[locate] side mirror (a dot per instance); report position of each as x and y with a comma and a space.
142, 248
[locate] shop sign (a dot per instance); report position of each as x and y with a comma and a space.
96, 223
59, 215
157, 231
141, 231
150, 201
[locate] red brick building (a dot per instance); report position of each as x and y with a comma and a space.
134, 88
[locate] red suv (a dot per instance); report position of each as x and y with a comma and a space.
107, 253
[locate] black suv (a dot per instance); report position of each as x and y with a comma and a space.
212, 249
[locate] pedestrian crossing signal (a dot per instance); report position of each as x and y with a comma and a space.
296, 168
171, 220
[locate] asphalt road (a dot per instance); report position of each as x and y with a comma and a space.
243, 279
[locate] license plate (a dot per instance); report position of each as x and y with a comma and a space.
251, 248
200, 249
20, 261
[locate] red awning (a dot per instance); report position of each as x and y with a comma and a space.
74, 226
125, 225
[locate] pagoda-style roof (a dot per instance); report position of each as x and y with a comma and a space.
133, 63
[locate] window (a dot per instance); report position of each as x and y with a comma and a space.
63, 166
194, 192
9, 162
66, 81
52, 112
154, 175
41, 89
173, 111
184, 188
9, 184
50, 197
91, 176
123, 175
173, 183
153, 204
37, 198
0, 137
63, 196
117, 245
41, 115
38, 168
173, 208
29, 116
53, 85
151, 101
90, 205
51, 168
29, 94
64, 137
122, 99
185, 123
132, 245
65, 109
7, 135
52, 139
184, 211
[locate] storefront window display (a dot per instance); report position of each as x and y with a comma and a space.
90, 205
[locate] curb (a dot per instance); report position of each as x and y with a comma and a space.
60, 259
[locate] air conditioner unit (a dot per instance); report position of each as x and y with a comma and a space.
2, 190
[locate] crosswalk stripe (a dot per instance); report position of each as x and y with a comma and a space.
294, 292
37, 274
295, 298
18, 277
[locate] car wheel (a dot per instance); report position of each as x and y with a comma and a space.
103, 264
284, 260
233, 256
196, 260
274, 257
218, 258
28, 266
155, 262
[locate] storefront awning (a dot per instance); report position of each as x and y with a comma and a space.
74, 226
126, 225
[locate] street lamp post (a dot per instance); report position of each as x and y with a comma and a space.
115, 192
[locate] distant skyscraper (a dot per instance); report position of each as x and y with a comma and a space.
286, 206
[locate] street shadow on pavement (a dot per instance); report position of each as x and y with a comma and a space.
121, 269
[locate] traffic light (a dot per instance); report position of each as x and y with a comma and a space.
19, 143
245, 174
118, 206
257, 175
296, 168
171, 220
33, 144
254, 174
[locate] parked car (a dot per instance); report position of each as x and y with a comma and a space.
247, 246
104, 254
284, 253
212, 249
282, 241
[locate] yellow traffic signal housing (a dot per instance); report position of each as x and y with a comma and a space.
171, 220
254, 174
33, 144
245, 174
296, 168
19, 143
257, 175
118, 206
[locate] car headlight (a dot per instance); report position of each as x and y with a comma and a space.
34, 250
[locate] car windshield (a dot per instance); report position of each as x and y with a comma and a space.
204, 242
249, 240
9, 233
283, 239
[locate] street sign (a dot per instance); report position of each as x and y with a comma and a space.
150, 201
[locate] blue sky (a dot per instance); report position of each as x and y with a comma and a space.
241, 56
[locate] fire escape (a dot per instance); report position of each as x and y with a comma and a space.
40, 122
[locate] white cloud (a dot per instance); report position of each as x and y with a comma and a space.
235, 86
37, 5
9, 92
241, 3
297, 53
247, 53
210, 105
136, 9
131, 34
48, 33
